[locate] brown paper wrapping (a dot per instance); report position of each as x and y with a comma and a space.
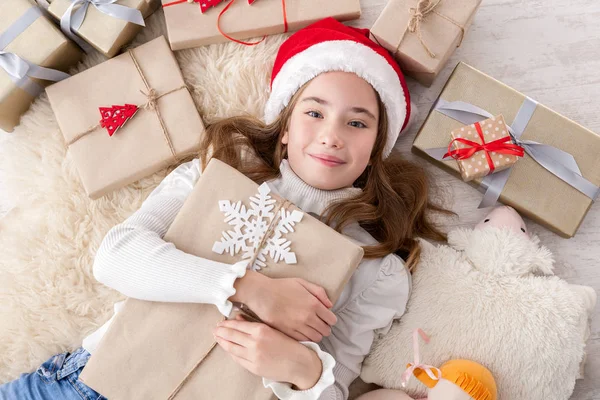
477, 166
187, 27
150, 347
105, 33
140, 147
42, 44
440, 35
531, 189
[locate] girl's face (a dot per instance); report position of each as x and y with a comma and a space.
332, 130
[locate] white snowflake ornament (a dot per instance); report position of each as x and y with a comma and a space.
251, 225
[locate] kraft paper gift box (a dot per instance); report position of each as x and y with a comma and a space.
188, 27
492, 132
423, 53
145, 92
151, 347
530, 188
28, 34
106, 33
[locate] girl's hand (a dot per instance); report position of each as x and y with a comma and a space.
268, 353
298, 308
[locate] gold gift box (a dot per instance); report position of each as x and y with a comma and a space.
442, 31
151, 140
187, 27
125, 367
531, 189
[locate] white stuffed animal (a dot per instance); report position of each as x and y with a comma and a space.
490, 296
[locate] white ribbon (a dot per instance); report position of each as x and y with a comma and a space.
74, 16
556, 161
18, 69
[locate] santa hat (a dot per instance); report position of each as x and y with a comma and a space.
329, 45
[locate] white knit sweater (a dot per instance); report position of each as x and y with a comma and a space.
135, 260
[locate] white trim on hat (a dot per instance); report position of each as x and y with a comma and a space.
347, 56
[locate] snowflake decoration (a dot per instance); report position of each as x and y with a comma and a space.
251, 224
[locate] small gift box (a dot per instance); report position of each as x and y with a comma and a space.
198, 23
483, 148
142, 94
106, 26
423, 34
33, 54
556, 181
217, 222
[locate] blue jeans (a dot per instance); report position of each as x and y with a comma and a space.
55, 379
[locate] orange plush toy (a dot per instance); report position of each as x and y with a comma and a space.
454, 380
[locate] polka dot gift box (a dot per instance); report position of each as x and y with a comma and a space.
483, 148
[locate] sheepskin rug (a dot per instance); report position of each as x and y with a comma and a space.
49, 299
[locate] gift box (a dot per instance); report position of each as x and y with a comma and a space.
483, 148
423, 34
27, 34
107, 27
188, 27
127, 118
553, 145
223, 205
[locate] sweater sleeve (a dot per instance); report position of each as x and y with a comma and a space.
134, 259
369, 313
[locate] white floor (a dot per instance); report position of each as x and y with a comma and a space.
549, 50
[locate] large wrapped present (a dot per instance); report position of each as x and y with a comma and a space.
556, 181
423, 34
127, 118
33, 53
216, 222
105, 25
198, 23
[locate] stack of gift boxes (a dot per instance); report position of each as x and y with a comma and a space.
515, 150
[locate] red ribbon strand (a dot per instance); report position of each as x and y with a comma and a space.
498, 146
283, 7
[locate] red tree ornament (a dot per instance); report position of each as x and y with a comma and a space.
206, 4
115, 117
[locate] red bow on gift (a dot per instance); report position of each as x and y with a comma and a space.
204, 4
498, 146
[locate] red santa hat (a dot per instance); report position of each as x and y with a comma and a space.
329, 45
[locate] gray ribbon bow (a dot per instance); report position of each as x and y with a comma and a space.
73, 18
556, 161
19, 70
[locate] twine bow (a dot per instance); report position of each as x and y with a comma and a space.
151, 104
243, 308
418, 14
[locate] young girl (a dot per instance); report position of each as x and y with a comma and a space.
338, 103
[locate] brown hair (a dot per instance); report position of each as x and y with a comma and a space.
393, 206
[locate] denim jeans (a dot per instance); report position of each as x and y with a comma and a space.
55, 379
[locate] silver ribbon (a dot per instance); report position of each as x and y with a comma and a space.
19, 70
74, 16
556, 161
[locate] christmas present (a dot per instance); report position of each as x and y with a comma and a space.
483, 148
198, 23
216, 222
135, 101
33, 53
106, 25
556, 181
423, 34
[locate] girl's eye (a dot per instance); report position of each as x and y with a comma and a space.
357, 124
314, 114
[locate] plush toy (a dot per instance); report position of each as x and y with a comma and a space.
454, 380
489, 296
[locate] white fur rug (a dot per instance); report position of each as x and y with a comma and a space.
49, 299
